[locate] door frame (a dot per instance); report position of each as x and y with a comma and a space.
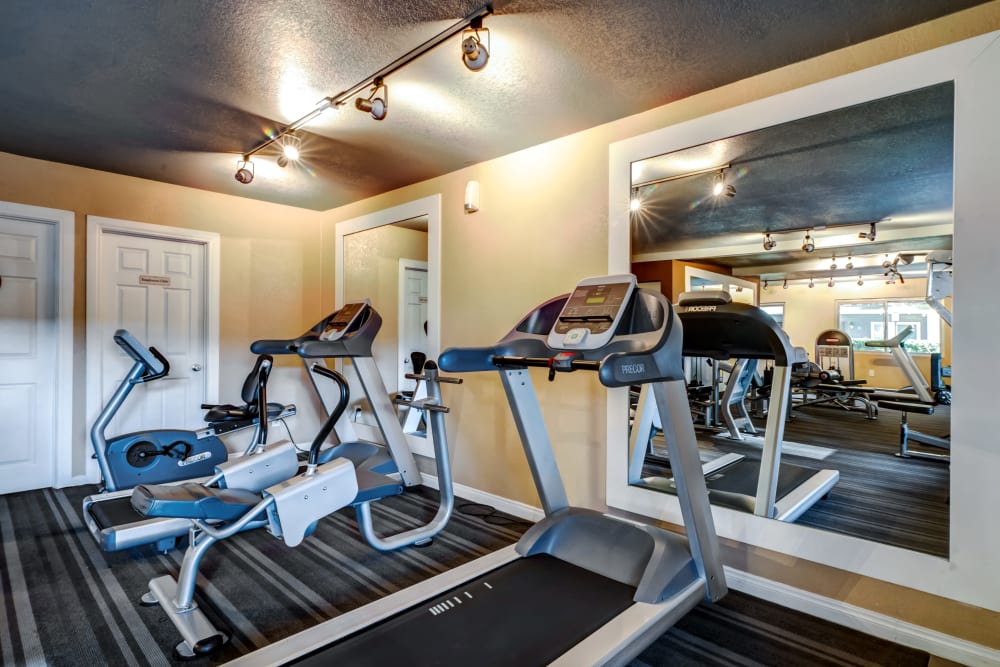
97, 228
431, 207
64, 221
404, 266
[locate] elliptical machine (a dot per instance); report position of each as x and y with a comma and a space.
167, 455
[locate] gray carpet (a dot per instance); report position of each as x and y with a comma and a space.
66, 603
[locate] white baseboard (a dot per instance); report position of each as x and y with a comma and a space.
512, 507
864, 620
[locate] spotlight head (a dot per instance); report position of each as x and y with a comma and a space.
244, 171
833, 265
860, 281
635, 204
769, 242
830, 282
811, 285
765, 286
722, 189
282, 161
807, 243
474, 54
784, 285
850, 264
870, 234
885, 262
378, 107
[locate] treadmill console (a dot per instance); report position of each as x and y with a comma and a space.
590, 316
342, 320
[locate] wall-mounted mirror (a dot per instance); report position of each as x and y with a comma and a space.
836, 223
392, 259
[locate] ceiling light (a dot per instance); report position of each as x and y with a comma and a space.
784, 285
870, 234
807, 243
474, 54
722, 189
244, 171
769, 243
378, 107
289, 150
850, 264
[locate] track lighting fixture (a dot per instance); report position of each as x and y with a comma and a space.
475, 54
811, 285
784, 285
830, 282
722, 189
244, 170
833, 263
860, 281
885, 262
289, 150
765, 285
850, 264
378, 107
870, 234
769, 243
807, 243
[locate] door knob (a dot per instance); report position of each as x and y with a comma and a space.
196, 367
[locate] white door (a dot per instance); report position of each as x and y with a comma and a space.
28, 353
154, 288
412, 317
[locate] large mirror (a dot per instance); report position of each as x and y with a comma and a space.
967, 69
391, 259
840, 226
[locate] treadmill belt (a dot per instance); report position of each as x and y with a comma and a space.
742, 478
115, 512
528, 612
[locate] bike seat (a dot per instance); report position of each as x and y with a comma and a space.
192, 501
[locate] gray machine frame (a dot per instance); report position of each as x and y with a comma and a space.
670, 578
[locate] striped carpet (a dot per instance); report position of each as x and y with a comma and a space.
879, 497
66, 603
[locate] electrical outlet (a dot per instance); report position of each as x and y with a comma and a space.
871, 372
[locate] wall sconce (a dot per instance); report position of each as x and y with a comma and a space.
378, 107
472, 196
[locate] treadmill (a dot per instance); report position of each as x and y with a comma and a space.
580, 587
718, 328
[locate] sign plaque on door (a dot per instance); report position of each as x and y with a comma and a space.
155, 280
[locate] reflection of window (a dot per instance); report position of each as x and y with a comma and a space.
775, 310
878, 319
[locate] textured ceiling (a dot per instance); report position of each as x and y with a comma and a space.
175, 91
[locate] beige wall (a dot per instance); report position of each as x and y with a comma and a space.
270, 265
543, 226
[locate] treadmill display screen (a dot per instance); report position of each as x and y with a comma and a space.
341, 319
593, 307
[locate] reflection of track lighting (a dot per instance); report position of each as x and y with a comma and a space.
833, 263
784, 285
244, 171
378, 107
769, 243
885, 262
870, 234
850, 264
807, 243
830, 283
765, 285
721, 188
860, 281
811, 285
474, 54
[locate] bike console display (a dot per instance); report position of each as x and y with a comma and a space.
590, 316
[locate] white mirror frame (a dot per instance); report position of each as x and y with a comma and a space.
430, 207
968, 575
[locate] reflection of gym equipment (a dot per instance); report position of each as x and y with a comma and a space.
580, 587
290, 506
716, 327
166, 455
830, 381
919, 397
